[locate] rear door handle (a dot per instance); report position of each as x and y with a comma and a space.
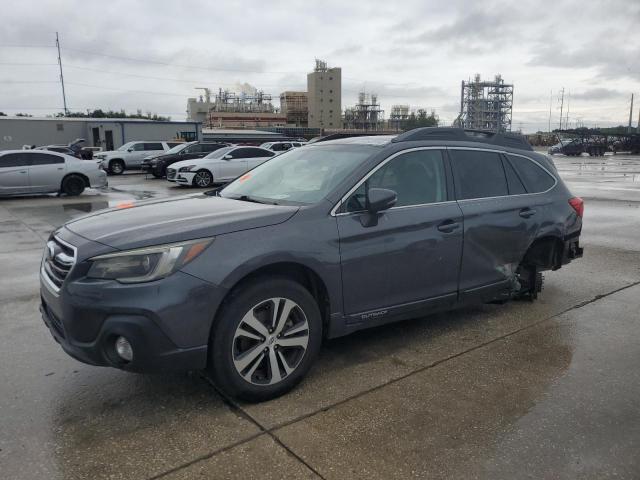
527, 212
448, 226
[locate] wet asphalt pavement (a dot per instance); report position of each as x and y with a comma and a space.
548, 389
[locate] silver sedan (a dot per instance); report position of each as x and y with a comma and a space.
37, 171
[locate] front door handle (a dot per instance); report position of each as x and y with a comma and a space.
22, 171
527, 212
448, 226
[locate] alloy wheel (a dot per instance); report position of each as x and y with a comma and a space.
270, 341
203, 179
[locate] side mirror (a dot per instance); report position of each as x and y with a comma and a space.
227, 157
379, 199
130, 149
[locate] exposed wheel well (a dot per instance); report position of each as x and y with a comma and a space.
298, 273
87, 184
545, 253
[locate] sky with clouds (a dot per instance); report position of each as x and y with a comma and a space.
150, 55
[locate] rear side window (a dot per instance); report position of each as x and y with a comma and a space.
45, 159
14, 160
478, 174
515, 184
535, 179
210, 147
153, 146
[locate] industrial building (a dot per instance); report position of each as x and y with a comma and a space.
365, 115
486, 105
107, 133
404, 117
235, 110
295, 106
324, 90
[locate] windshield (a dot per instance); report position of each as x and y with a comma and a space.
221, 152
177, 148
303, 176
125, 146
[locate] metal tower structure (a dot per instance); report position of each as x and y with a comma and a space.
486, 105
365, 115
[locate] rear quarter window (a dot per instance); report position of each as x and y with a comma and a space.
534, 177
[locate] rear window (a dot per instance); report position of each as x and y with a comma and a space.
534, 177
478, 174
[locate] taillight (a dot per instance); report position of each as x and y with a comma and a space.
578, 205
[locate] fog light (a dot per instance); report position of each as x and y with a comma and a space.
123, 349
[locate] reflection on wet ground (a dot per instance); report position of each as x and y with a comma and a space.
546, 389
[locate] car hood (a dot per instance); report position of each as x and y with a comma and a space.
156, 222
163, 157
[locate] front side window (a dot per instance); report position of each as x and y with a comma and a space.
417, 177
14, 160
220, 152
300, 176
535, 179
478, 174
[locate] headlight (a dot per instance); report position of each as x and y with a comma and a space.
186, 169
146, 264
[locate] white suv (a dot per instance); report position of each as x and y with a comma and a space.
130, 155
220, 166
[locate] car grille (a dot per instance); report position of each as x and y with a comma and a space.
171, 173
58, 261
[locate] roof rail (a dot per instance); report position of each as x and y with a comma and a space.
337, 136
503, 139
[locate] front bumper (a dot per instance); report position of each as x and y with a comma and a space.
167, 322
185, 178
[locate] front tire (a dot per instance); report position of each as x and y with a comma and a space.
265, 339
116, 167
73, 185
203, 179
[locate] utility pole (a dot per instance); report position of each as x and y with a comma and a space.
550, 105
630, 114
566, 123
561, 105
64, 96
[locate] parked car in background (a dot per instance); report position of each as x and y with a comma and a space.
131, 154
157, 164
221, 166
44, 171
316, 243
281, 146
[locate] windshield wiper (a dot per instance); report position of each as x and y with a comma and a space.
247, 198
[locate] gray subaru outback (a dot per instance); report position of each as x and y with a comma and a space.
318, 242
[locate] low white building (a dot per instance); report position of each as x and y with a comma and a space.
108, 133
